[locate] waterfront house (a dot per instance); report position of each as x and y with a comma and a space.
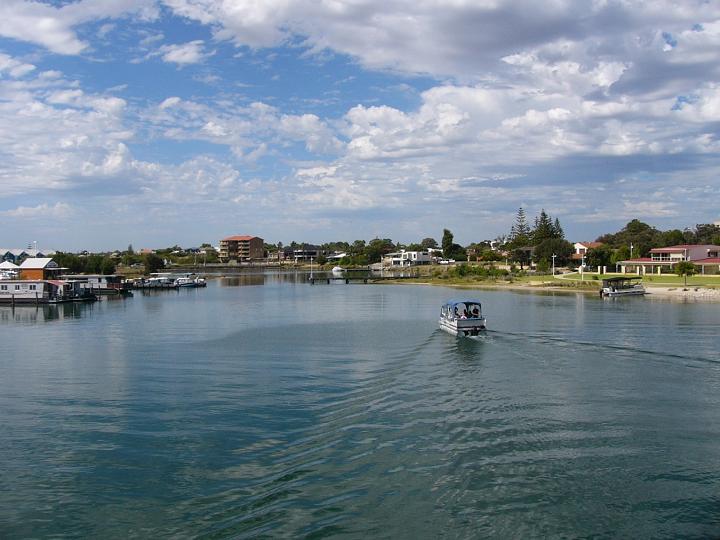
39, 268
581, 249
663, 260
406, 258
241, 248
304, 253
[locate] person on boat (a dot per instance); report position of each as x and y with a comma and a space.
475, 312
464, 314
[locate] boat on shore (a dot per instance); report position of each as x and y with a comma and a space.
462, 318
622, 286
338, 271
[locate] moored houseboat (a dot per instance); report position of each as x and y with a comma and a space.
42, 291
102, 283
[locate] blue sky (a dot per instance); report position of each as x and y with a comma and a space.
161, 122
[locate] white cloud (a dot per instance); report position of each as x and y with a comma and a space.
58, 210
54, 27
184, 53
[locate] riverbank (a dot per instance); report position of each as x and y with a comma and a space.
557, 285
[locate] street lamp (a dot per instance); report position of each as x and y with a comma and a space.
582, 268
553, 258
631, 248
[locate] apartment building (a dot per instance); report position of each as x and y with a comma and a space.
241, 248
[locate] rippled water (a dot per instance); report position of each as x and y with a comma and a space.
263, 406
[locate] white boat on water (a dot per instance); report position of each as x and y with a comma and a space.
338, 270
462, 318
622, 286
190, 280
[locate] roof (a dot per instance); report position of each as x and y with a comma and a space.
590, 244
466, 301
623, 278
711, 260
38, 263
683, 246
640, 260
7, 265
238, 238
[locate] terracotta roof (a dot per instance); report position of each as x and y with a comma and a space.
711, 260
590, 244
683, 246
238, 238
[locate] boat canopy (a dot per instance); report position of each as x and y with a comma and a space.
620, 280
458, 308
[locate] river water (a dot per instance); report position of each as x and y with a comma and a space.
263, 406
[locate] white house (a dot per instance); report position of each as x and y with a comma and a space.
663, 260
406, 258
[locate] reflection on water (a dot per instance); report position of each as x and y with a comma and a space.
45, 312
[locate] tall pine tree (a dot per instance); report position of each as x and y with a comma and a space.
520, 231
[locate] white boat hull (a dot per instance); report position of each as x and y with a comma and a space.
463, 327
635, 291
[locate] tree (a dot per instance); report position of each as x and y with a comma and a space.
153, 263
520, 231
672, 238
599, 256
558, 230
130, 250
447, 242
706, 233
107, 267
544, 228
553, 246
685, 268
642, 236
376, 248
429, 243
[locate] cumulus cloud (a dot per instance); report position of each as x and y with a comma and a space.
184, 53
54, 27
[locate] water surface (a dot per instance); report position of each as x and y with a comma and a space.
263, 406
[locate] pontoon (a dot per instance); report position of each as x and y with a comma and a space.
462, 318
621, 286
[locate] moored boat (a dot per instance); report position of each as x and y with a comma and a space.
43, 291
462, 318
622, 286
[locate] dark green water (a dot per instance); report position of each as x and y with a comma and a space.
266, 407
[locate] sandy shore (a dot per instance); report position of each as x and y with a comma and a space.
680, 292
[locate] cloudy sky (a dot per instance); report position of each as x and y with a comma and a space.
156, 122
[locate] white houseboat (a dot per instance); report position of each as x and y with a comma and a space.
42, 291
101, 283
622, 286
462, 318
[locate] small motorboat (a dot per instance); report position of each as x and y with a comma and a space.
338, 270
462, 318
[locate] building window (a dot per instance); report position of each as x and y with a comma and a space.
3, 287
33, 287
17, 287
